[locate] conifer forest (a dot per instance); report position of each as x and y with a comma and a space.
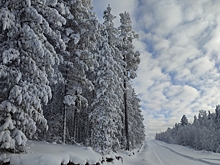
66, 77
202, 134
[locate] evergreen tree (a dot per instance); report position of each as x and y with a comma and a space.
217, 112
136, 126
131, 61
111, 33
79, 35
106, 115
27, 66
82, 38
184, 120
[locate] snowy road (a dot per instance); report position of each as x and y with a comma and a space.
158, 153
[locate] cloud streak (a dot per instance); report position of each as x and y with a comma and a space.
180, 57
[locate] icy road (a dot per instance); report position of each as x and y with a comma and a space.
159, 153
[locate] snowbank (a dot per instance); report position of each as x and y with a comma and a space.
205, 156
43, 153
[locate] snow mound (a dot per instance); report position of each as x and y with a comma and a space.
43, 153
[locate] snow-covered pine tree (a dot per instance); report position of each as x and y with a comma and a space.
135, 125
80, 35
105, 118
217, 112
54, 110
184, 120
112, 35
108, 102
26, 63
132, 60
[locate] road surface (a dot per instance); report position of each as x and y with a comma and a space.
153, 153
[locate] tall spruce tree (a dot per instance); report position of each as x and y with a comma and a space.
131, 59
81, 39
135, 120
112, 35
106, 115
27, 59
184, 120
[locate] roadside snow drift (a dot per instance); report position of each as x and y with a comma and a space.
42, 153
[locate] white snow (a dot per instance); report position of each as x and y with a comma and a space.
202, 157
42, 153
159, 153
9, 55
151, 153
69, 100
7, 18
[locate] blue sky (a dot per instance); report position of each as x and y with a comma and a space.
180, 57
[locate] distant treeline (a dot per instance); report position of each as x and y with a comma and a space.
202, 134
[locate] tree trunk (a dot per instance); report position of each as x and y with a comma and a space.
74, 126
65, 106
126, 115
64, 124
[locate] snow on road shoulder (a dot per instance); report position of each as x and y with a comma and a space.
206, 156
42, 153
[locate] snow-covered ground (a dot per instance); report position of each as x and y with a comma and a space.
202, 156
42, 153
159, 153
152, 153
